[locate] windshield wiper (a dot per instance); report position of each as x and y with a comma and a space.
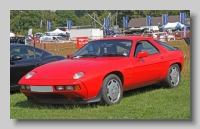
86, 55
113, 55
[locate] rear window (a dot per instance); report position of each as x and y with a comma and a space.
167, 46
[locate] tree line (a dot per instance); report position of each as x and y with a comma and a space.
22, 20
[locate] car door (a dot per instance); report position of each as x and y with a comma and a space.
19, 68
148, 69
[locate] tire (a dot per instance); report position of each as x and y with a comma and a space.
111, 90
173, 77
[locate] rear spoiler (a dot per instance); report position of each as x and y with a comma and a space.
187, 40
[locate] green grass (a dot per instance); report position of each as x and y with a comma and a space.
152, 102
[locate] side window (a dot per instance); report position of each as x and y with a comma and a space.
26, 53
23, 52
31, 53
15, 52
145, 46
138, 48
20, 51
38, 53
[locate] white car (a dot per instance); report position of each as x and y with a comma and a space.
49, 38
164, 36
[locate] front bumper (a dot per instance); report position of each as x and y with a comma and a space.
61, 99
47, 92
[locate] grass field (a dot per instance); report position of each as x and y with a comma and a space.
152, 102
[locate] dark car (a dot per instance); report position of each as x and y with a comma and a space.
17, 39
64, 36
24, 58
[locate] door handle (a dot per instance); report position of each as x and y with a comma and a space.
161, 57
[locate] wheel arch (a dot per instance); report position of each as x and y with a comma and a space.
179, 65
117, 73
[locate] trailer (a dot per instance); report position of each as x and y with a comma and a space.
91, 33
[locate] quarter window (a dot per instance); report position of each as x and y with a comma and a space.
166, 46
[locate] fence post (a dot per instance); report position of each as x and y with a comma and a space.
55, 44
44, 46
40, 44
33, 41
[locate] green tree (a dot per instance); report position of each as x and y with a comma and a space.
63, 15
28, 19
80, 13
48, 15
22, 20
14, 13
84, 20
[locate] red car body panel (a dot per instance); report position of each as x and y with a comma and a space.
133, 71
76, 93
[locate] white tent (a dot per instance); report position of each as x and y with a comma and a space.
173, 25
56, 32
12, 34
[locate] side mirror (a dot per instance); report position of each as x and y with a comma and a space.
69, 56
16, 57
142, 54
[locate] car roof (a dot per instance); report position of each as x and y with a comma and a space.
18, 44
126, 38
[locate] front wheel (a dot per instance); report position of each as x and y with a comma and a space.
112, 90
173, 78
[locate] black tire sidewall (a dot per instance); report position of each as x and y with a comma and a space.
105, 99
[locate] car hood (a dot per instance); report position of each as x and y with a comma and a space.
65, 69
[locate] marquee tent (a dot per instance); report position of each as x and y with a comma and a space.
174, 25
12, 34
56, 32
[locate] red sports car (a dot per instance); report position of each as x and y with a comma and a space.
103, 69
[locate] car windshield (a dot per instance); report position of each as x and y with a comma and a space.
105, 48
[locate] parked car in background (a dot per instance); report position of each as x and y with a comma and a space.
27, 41
49, 38
165, 36
64, 36
24, 58
104, 68
17, 39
